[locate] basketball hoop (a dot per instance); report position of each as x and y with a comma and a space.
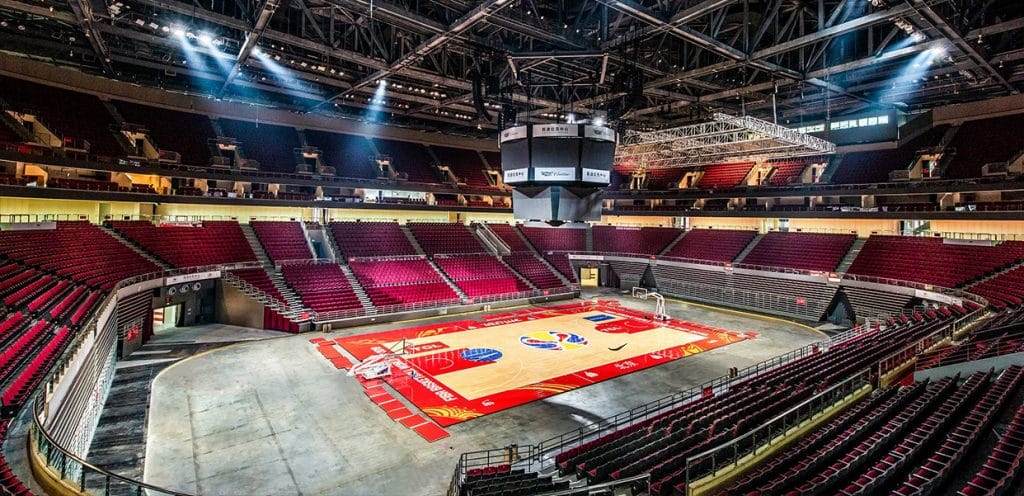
377, 366
659, 301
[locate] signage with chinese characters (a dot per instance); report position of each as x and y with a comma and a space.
596, 176
555, 130
516, 175
197, 276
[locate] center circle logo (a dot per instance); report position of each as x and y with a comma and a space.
554, 340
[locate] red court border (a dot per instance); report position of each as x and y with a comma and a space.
446, 407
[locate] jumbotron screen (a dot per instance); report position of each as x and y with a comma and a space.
557, 153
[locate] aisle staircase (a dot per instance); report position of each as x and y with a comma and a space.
257, 247
491, 241
293, 303
537, 253
136, 248
672, 244
851, 255
743, 254
448, 280
412, 239
358, 289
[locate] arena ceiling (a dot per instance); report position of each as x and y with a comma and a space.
644, 64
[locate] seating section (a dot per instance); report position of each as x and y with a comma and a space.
164, 127
642, 240
1003, 290
402, 281
871, 303
533, 269
803, 251
481, 275
273, 146
497, 481
350, 155
437, 238
656, 179
410, 159
661, 444
260, 280
371, 239
786, 173
466, 165
908, 440
1005, 341
83, 184
547, 239
322, 287
809, 298
9, 483
510, 235
51, 281
77, 251
932, 260
724, 176
212, 243
282, 240
89, 121
984, 141
715, 245
874, 166
1004, 463
553, 242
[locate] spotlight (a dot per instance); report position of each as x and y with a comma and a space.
177, 31
382, 82
599, 121
205, 38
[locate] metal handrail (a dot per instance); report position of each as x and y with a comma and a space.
88, 328
843, 389
647, 410
61, 460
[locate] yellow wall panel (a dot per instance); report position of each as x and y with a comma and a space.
241, 212
637, 220
995, 227
864, 227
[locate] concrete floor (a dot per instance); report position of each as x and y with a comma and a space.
274, 417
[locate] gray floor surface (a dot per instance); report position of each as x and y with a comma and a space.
274, 417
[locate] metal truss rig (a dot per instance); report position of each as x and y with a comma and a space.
724, 138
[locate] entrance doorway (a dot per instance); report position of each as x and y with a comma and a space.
166, 318
588, 277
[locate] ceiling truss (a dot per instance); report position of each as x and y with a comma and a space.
649, 64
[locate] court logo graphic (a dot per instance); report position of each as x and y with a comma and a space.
554, 340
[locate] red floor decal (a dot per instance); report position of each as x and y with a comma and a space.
461, 370
399, 413
431, 432
413, 421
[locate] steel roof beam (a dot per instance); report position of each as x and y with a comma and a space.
434, 42
83, 14
959, 43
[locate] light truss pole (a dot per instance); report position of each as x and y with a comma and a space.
723, 137
262, 20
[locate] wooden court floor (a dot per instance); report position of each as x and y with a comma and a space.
462, 370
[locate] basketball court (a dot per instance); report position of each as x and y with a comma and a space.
457, 371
